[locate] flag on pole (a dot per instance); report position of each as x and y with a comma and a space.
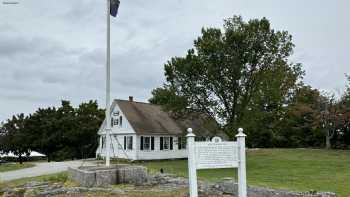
114, 7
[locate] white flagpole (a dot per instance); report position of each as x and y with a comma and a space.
108, 76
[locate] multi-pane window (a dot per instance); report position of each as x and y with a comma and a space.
181, 143
147, 143
115, 121
128, 142
166, 143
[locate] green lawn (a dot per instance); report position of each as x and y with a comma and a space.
292, 169
14, 166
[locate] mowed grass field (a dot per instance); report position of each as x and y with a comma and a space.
292, 169
14, 166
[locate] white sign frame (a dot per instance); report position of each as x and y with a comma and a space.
214, 155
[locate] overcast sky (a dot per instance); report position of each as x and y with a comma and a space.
52, 50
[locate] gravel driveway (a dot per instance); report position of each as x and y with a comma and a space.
40, 169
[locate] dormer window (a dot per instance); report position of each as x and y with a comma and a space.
115, 121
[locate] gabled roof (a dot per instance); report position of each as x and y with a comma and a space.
147, 119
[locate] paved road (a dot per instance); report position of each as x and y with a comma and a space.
40, 169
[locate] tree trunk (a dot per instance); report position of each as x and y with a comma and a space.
20, 159
328, 141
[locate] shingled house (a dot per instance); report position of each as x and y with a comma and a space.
143, 131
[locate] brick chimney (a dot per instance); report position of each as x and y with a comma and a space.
131, 98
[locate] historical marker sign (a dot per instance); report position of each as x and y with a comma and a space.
216, 155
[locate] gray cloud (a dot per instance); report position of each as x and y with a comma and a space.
53, 50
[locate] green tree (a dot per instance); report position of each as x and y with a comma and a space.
242, 67
14, 137
301, 125
60, 133
84, 137
341, 138
45, 128
170, 101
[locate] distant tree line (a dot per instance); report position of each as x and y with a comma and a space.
241, 76
59, 133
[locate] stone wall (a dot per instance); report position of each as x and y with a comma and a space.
103, 176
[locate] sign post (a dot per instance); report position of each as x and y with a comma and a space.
192, 172
217, 154
242, 179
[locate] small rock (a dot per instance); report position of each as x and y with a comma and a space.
117, 191
17, 192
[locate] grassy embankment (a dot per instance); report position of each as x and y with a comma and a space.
58, 177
